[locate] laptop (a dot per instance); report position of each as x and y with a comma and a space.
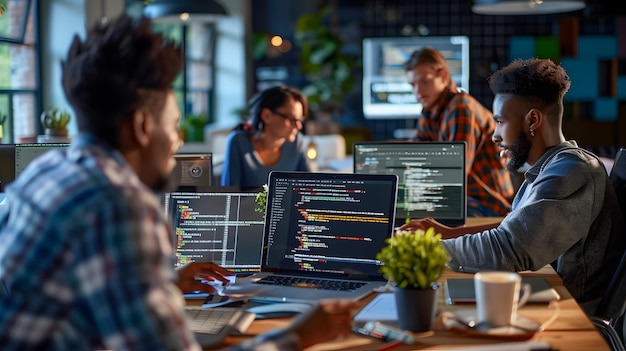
322, 234
461, 290
431, 177
217, 224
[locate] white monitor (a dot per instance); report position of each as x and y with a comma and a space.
386, 92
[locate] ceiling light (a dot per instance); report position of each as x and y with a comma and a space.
526, 7
177, 11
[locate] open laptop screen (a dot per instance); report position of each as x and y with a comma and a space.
330, 223
218, 225
432, 180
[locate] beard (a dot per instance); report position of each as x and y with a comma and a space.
518, 153
165, 184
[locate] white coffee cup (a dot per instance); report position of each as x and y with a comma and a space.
498, 297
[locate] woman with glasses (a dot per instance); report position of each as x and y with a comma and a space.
270, 140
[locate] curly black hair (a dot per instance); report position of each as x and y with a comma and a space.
121, 66
540, 80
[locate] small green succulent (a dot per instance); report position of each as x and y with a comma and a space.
55, 118
413, 258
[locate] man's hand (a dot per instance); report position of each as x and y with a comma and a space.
190, 274
332, 319
448, 232
426, 223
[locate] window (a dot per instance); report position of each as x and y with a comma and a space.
194, 87
19, 76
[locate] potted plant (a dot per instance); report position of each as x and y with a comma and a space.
193, 127
55, 121
328, 70
413, 260
261, 200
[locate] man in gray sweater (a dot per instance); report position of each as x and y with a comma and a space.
565, 213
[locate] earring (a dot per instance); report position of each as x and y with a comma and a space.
532, 133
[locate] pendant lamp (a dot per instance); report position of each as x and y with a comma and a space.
177, 11
526, 7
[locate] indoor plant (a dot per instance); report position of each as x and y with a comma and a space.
327, 68
261, 200
413, 260
55, 121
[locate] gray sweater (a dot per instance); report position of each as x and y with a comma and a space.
243, 168
566, 214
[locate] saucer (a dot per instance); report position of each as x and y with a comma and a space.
522, 328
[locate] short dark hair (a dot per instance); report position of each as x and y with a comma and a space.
539, 80
121, 66
273, 98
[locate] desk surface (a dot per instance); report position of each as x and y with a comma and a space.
570, 329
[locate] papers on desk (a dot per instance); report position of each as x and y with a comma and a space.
381, 308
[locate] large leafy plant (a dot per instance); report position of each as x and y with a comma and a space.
413, 258
326, 67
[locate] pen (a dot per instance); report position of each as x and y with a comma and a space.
393, 345
389, 333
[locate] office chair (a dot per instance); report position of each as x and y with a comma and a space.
609, 317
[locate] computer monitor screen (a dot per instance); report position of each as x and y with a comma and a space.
329, 223
193, 172
15, 157
431, 177
386, 92
219, 225
7, 164
25, 153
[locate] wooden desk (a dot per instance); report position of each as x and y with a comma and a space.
571, 330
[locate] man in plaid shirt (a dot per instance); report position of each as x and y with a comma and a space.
449, 114
86, 255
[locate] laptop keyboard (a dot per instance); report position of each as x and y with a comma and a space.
210, 320
325, 284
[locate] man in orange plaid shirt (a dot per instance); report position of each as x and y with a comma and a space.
450, 114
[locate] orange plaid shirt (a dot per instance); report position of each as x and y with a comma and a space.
458, 116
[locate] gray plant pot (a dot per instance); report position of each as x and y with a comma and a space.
416, 308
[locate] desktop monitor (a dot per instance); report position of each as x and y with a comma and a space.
7, 165
431, 177
15, 157
219, 224
386, 92
192, 172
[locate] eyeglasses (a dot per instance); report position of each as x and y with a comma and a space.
291, 119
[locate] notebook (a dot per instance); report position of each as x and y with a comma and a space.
324, 229
219, 224
431, 177
212, 325
461, 291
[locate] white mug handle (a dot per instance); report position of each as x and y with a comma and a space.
526, 290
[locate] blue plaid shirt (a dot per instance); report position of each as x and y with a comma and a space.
86, 255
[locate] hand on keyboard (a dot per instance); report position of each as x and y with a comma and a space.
191, 276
